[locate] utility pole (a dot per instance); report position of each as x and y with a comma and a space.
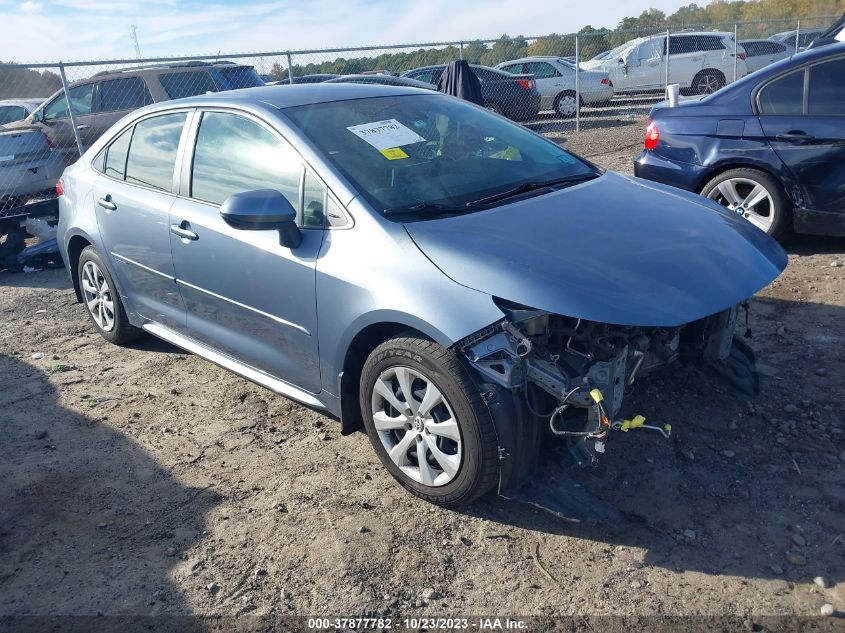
133, 30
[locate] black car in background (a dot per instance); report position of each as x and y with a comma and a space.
313, 79
383, 80
770, 146
514, 96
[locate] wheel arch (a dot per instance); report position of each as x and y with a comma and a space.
75, 245
726, 165
355, 353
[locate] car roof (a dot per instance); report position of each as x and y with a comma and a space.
758, 39
784, 65
533, 58
289, 96
22, 101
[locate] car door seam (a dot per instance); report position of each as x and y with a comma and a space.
244, 306
126, 260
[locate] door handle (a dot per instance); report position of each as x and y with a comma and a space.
795, 137
107, 204
82, 126
183, 231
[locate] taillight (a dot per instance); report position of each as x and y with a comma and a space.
60, 188
742, 56
605, 81
49, 142
527, 84
652, 135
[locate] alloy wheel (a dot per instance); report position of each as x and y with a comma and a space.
416, 426
707, 84
97, 295
747, 198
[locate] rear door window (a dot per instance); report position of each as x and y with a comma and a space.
541, 70
152, 152
514, 69
187, 84
752, 49
235, 154
827, 88
784, 96
123, 94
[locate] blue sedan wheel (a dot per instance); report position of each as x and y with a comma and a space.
752, 194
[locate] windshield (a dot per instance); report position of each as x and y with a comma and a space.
415, 151
619, 51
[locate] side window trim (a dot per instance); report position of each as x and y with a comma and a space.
179, 150
187, 148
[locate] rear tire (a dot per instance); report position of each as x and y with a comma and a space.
102, 300
566, 104
707, 81
772, 214
456, 434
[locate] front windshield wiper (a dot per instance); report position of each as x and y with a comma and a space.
426, 207
525, 187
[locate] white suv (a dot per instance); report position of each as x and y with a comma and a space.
701, 62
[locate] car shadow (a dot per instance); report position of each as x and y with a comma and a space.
744, 487
90, 523
814, 245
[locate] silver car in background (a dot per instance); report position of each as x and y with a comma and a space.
28, 165
761, 53
12, 110
555, 78
408, 262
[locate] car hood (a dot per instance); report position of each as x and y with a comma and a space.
615, 250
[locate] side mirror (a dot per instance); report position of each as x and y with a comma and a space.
38, 116
263, 210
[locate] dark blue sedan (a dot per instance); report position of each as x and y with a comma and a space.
770, 147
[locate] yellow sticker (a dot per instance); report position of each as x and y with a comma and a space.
393, 153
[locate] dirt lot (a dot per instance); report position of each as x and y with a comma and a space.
144, 480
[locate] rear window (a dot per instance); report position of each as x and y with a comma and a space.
784, 96
123, 94
187, 84
11, 113
240, 77
152, 153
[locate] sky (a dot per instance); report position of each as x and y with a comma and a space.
53, 30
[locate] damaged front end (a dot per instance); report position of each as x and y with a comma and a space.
570, 375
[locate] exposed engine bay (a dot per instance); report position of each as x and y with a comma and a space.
573, 374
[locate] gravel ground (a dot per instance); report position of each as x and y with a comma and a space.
144, 480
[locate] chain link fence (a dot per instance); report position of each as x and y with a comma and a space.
528, 79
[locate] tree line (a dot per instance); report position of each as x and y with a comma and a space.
718, 14
18, 83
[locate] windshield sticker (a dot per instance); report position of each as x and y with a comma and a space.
386, 134
393, 153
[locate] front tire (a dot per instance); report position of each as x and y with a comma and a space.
102, 300
427, 422
755, 195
